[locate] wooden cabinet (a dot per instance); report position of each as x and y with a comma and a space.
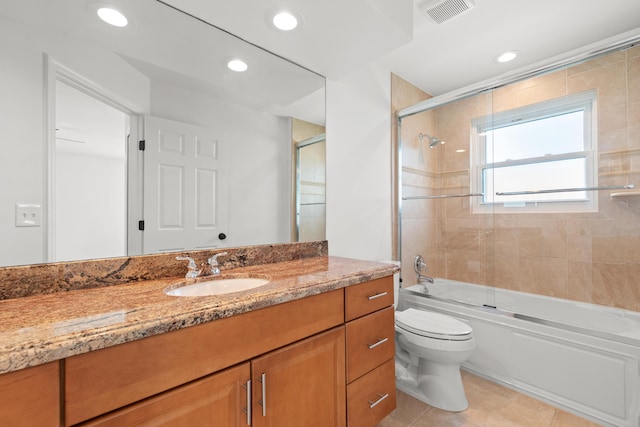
217, 400
302, 384
108, 379
31, 396
371, 389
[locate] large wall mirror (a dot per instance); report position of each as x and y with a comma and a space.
78, 96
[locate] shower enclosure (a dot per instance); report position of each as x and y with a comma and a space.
309, 181
530, 183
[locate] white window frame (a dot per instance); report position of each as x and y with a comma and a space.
585, 102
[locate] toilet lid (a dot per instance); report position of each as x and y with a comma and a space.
431, 324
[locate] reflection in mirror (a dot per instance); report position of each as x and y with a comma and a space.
310, 181
65, 80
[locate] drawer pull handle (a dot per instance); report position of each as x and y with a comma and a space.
263, 402
381, 294
377, 343
382, 397
247, 410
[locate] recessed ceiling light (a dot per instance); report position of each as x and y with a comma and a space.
506, 56
112, 17
284, 19
237, 65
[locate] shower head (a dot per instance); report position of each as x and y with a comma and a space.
433, 141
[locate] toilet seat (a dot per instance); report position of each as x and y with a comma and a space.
433, 325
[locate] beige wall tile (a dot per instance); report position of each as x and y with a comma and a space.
612, 128
545, 87
633, 130
596, 63
544, 238
466, 266
580, 281
616, 285
610, 79
579, 239
545, 276
633, 78
507, 271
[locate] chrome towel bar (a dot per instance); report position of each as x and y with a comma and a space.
443, 196
564, 190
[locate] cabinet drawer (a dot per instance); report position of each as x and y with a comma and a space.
107, 379
372, 397
368, 297
370, 342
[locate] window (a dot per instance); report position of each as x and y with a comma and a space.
540, 147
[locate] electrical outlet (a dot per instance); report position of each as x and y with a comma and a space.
28, 215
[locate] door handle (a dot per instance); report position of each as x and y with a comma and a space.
247, 410
263, 402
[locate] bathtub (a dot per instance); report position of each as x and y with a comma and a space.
580, 357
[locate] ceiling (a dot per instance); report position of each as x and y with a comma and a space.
339, 36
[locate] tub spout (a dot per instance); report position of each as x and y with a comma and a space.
422, 279
419, 266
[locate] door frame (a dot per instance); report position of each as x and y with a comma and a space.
53, 72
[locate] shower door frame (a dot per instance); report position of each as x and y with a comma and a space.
604, 47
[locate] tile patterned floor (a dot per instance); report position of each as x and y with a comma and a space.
490, 405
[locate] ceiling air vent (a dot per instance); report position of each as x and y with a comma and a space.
443, 10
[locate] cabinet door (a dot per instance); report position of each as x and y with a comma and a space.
302, 384
31, 396
217, 400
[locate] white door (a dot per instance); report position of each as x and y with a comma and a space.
185, 197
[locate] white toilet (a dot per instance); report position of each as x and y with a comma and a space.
430, 347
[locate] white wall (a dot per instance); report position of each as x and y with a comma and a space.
359, 165
21, 145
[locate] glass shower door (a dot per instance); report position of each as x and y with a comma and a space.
310, 189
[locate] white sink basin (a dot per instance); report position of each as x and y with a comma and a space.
217, 287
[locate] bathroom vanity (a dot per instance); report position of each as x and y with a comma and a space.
315, 346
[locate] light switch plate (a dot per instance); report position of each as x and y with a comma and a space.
28, 215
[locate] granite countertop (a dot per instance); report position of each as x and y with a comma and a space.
44, 328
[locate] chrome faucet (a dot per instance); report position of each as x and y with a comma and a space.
192, 271
419, 266
213, 263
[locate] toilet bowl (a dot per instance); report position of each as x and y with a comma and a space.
430, 347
